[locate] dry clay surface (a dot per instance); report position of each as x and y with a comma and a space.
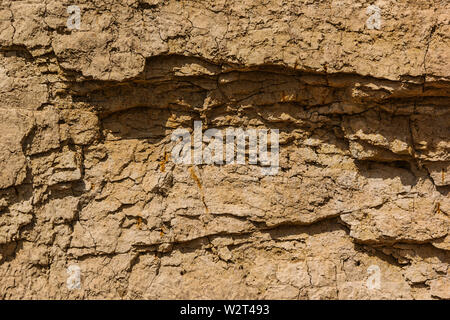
86, 177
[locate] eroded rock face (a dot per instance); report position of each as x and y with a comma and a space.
87, 178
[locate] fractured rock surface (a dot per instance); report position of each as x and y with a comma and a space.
86, 178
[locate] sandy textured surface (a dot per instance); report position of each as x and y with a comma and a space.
86, 117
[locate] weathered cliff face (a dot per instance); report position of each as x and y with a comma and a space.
360, 205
